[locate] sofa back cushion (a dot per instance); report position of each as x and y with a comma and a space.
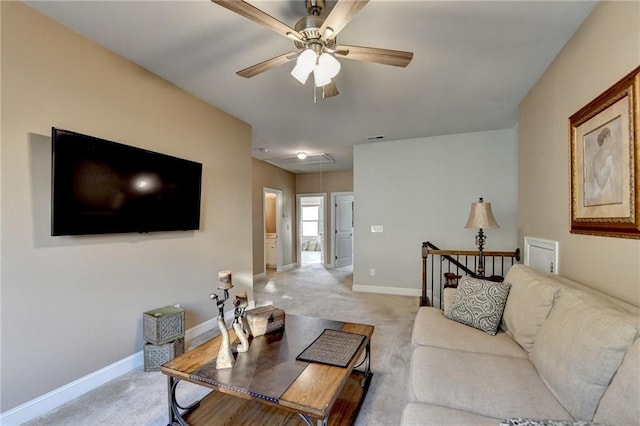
620, 404
530, 300
579, 348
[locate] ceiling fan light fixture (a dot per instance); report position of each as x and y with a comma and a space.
329, 64
300, 74
321, 76
304, 65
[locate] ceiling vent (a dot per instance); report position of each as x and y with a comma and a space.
287, 162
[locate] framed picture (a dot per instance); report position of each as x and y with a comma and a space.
605, 163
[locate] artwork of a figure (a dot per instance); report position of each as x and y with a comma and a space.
602, 165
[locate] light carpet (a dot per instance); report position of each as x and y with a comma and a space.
140, 398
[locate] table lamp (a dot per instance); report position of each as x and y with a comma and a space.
481, 217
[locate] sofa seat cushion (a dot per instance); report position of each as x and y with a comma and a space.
530, 299
579, 348
483, 384
417, 414
432, 328
620, 404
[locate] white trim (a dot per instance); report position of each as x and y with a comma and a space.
52, 400
387, 290
534, 247
323, 239
260, 276
289, 267
279, 255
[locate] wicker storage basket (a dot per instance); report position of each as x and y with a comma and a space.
156, 355
163, 325
264, 319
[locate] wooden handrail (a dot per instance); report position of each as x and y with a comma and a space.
515, 254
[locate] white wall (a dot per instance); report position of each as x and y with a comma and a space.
422, 190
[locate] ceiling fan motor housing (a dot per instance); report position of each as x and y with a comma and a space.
309, 27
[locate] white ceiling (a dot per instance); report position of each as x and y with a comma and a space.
473, 63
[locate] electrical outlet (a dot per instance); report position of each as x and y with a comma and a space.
372, 272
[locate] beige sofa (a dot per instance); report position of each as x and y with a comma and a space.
563, 355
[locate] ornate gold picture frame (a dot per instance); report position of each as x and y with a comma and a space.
605, 162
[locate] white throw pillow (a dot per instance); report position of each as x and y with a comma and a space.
479, 303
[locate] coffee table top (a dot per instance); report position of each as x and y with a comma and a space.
269, 371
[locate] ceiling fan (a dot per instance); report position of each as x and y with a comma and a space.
315, 38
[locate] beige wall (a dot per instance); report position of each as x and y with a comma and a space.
602, 51
267, 176
72, 305
327, 182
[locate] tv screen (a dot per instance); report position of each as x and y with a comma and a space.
104, 187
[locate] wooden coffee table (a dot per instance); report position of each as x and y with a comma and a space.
267, 385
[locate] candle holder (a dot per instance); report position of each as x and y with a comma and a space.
225, 356
241, 304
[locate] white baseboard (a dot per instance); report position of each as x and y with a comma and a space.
51, 400
387, 290
289, 267
260, 276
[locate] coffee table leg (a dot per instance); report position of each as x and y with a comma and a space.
367, 366
309, 422
175, 417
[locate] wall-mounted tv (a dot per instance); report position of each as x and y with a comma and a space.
104, 187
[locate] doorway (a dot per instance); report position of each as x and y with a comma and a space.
271, 213
342, 219
312, 245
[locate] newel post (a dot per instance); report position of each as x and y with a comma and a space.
424, 300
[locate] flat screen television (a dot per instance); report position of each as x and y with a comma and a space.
104, 187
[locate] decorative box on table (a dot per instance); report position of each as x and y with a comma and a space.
163, 325
156, 355
265, 319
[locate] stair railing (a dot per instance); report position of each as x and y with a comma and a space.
455, 263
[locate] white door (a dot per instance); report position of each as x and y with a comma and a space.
343, 230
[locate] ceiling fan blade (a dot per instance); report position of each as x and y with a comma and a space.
330, 90
267, 65
256, 15
341, 14
396, 58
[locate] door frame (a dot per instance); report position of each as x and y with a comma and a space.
323, 238
278, 193
334, 227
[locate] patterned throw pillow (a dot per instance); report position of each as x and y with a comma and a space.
517, 421
479, 303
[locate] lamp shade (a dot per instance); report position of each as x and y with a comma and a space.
329, 64
304, 65
321, 76
224, 278
481, 216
